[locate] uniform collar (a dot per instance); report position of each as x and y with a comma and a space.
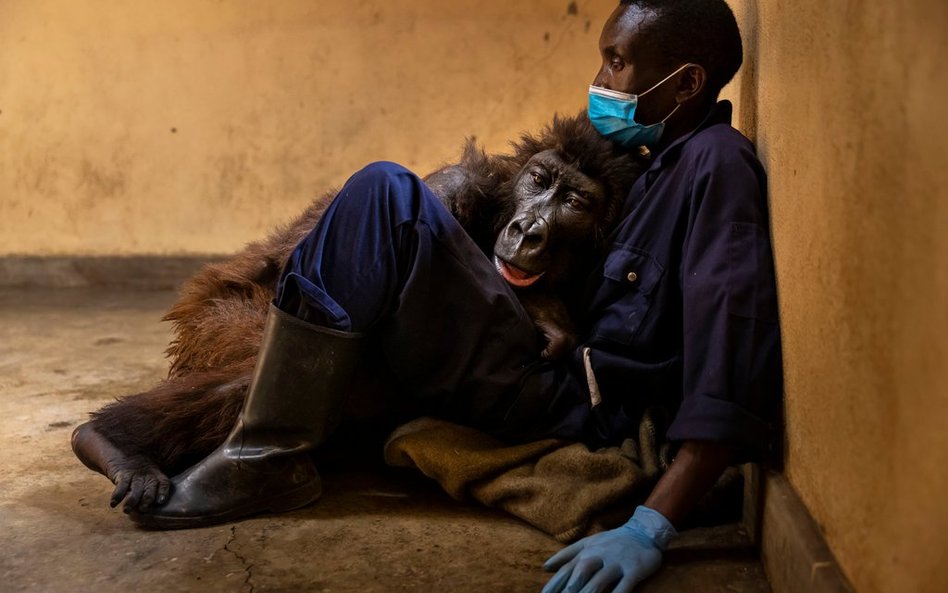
720, 113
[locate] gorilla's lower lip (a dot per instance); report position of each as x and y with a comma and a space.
514, 275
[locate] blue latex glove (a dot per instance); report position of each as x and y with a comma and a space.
615, 560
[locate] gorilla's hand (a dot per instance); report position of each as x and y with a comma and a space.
138, 480
550, 316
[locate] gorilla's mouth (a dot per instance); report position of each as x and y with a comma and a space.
514, 275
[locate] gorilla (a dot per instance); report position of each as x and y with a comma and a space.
543, 214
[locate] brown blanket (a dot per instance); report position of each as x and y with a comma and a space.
562, 488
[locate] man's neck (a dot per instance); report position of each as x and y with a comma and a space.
681, 126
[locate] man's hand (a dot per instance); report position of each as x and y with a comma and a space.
615, 560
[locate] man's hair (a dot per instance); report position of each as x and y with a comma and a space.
698, 31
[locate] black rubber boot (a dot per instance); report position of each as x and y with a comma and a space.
294, 403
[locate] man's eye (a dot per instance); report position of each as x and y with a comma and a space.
617, 64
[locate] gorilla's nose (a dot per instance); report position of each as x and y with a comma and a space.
530, 234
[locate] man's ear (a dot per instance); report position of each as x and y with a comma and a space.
691, 83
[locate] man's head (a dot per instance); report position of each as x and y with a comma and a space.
646, 40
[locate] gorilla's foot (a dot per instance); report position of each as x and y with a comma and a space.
225, 487
138, 480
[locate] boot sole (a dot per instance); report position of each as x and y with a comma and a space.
284, 502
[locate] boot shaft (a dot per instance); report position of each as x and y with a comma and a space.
298, 388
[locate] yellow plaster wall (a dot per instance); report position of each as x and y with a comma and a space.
193, 126
847, 103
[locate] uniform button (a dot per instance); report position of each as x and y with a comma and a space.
632, 277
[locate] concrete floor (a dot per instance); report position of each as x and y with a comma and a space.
67, 352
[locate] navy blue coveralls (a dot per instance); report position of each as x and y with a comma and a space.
681, 313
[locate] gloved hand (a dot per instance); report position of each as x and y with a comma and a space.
615, 560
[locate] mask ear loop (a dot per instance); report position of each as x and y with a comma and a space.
672, 113
666, 79
663, 81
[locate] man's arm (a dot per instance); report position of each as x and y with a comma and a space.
619, 559
692, 473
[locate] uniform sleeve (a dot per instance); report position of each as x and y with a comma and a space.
732, 374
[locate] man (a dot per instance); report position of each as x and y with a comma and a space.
699, 216
682, 312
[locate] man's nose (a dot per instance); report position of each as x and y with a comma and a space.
601, 80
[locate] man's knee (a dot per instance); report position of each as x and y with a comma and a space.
378, 178
384, 191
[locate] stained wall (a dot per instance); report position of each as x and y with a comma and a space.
847, 103
193, 126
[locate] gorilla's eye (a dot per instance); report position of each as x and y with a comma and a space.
576, 202
536, 177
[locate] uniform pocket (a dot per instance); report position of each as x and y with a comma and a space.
630, 277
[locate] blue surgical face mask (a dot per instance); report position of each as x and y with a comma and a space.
612, 113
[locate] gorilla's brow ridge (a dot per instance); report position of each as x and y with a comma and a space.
569, 174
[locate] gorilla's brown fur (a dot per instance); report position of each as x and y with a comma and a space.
219, 317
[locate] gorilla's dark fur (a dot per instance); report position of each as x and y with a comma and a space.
219, 316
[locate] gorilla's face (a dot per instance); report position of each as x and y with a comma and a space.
558, 214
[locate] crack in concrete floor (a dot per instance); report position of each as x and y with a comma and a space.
248, 566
